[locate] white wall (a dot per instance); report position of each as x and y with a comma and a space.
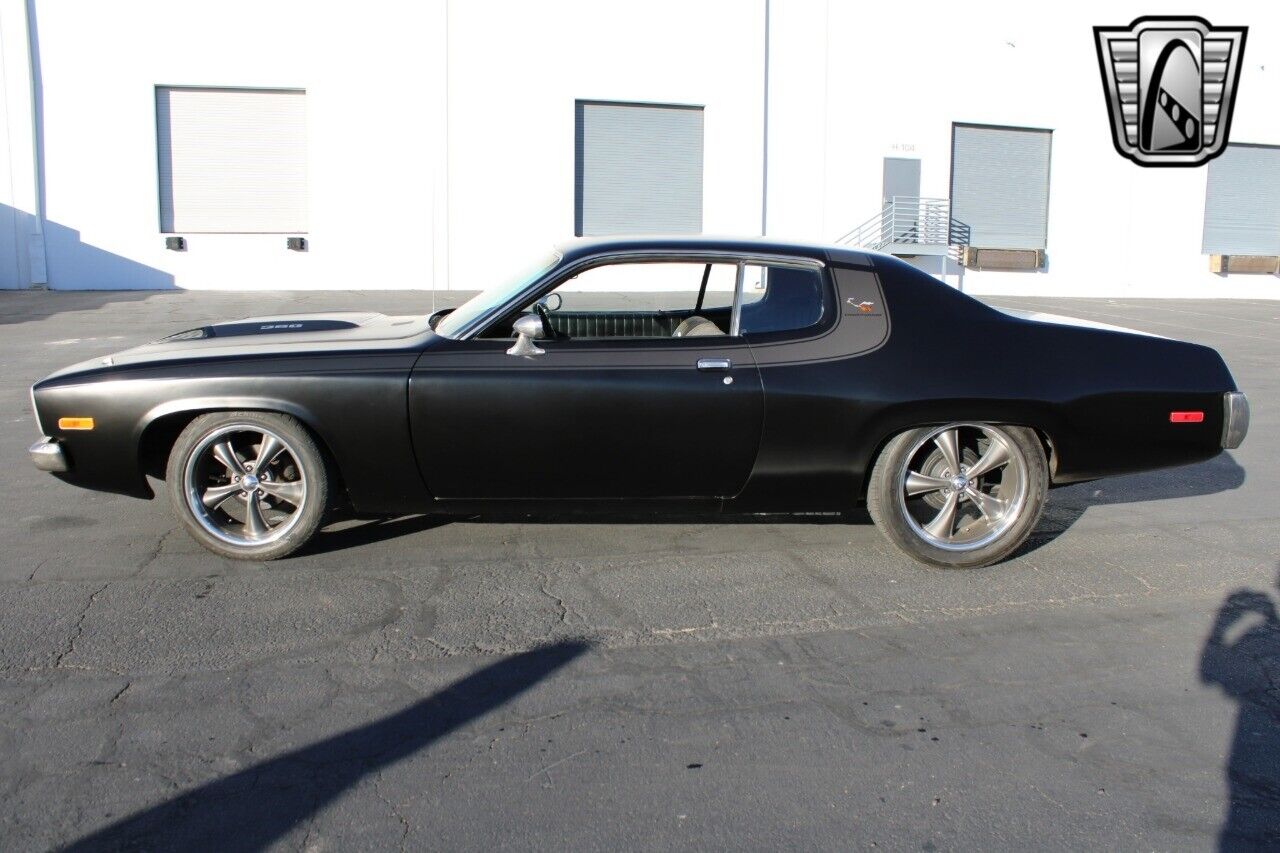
374, 77
20, 241
515, 71
387, 207
441, 133
800, 111
896, 79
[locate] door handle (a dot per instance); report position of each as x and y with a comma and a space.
714, 364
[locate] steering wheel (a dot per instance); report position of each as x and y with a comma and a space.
548, 331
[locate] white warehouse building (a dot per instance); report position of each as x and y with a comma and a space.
281, 144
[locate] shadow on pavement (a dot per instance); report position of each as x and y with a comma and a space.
368, 531
255, 807
1242, 656
27, 306
1064, 508
1066, 505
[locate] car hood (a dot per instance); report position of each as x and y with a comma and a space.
281, 334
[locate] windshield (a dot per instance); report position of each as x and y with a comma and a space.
494, 297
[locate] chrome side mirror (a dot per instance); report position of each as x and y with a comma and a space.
528, 329
552, 301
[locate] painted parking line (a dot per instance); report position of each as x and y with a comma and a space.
1273, 322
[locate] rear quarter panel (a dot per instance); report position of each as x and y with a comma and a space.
1102, 397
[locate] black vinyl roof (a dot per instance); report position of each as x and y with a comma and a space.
589, 247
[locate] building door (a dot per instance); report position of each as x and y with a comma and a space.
638, 169
1242, 202
1000, 184
902, 181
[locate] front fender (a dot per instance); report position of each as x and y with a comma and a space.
355, 404
200, 405
110, 458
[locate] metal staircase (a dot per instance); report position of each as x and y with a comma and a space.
911, 226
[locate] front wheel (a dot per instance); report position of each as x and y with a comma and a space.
960, 496
248, 485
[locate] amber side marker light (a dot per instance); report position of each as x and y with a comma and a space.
1186, 417
75, 423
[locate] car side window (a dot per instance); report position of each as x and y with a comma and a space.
782, 299
641, 300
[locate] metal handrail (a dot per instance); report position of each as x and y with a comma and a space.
911, 220
857, 236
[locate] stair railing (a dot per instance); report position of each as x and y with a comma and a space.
907, 221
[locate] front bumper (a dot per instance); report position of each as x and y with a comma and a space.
1235, 419
47, 455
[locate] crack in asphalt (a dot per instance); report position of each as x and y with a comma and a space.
548, 768
78, 629
395, 811
155, 552
559, 602
120, 693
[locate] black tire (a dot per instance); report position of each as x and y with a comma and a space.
903, 517
298, 470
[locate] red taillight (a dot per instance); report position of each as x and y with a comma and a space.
1186, 417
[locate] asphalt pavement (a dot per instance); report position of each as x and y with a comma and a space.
630, 683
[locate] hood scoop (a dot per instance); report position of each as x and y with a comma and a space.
246, 328
188, 335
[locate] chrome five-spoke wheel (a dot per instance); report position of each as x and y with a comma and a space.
244, 485
248, 484
963, 486
959, 495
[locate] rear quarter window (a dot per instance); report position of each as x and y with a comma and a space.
782, 299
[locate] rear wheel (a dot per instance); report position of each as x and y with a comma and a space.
963, 495
248, 485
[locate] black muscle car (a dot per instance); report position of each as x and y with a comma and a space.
687, 373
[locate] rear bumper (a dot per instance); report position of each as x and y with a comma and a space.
1235, 419
47, 455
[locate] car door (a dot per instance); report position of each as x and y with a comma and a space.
638, 415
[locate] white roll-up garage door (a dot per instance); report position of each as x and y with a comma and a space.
638, 169
232, 160
1000, 185
1242, 202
